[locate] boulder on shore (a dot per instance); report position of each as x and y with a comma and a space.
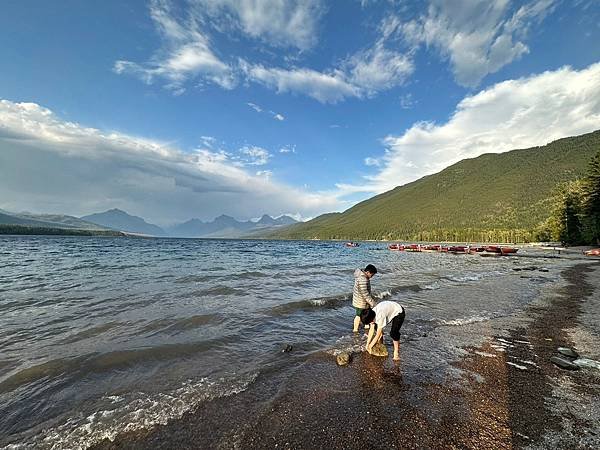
343, 359
587, 363
564, 363
379, 349
568, 352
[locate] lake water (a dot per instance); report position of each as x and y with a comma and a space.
103, 335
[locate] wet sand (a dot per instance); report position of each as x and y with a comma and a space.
492, 399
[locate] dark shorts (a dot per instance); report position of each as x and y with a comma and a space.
359, 311
396, 324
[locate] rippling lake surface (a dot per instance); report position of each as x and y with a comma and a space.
103, 335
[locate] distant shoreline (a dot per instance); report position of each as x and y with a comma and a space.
23, 230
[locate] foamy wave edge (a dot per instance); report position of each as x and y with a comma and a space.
139, 413
465, 321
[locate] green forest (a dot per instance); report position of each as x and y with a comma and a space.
23, 229
537, 194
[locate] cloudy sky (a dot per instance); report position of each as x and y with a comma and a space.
193, 108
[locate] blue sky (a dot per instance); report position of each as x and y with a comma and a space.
181, 109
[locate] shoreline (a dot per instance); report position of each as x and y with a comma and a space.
504, 393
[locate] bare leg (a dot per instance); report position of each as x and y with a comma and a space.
356, 323
396, 350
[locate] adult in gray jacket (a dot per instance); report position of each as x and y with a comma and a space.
361, 295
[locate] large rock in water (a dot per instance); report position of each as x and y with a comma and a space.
587, 363
564, 363
379, 349
570, 353
343, 358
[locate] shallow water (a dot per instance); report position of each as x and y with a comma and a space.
102, 335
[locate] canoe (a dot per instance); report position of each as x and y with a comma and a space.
593, 252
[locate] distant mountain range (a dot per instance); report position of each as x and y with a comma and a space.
227, 226
118, 220
47, 221
502, 197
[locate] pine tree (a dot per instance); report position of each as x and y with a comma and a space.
592, 200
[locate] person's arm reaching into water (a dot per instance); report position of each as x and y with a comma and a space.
371, 340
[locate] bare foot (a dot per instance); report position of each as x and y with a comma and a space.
396, 357
355, 331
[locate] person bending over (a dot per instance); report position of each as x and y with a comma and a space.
361, 294
383, 314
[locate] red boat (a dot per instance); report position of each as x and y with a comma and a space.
397, 247
593, 252
508, 250
475, 250
457, 249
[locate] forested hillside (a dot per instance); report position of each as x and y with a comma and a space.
495, 197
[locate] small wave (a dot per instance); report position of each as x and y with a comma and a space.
349, 343
195, 278
221, 289
383, 294
136, 411
309, 304
191, 322
101, 362
464, 321
247, 275
90, 332
467, 277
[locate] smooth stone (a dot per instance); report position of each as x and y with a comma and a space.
343, 358
565, 351
288, 348
379, 350
587, 363
564, 363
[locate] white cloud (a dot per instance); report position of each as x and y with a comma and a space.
280, 23
256, 156
267, 174
208, 141
509, 115
186, 54
478, 37
50, 165
406, 101
324, 87
255, 107
371, 161
288, 149
258, 109
378, 69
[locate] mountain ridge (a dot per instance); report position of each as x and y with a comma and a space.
495, 196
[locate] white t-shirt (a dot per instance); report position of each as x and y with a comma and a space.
385, 312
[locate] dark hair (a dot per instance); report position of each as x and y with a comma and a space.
371, 268
367, 316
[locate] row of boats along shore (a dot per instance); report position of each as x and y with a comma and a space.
488, 250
